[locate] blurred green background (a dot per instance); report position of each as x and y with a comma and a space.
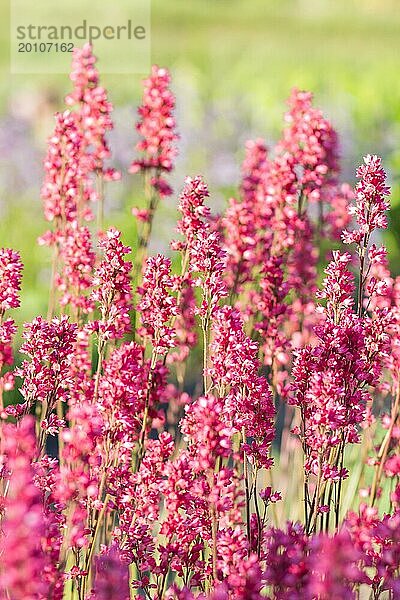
233, 63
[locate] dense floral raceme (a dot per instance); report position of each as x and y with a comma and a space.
218, 423
157, 130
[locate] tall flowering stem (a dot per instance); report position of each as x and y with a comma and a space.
93, 114
24, 563
157, 307
207, 260
330, 380
157, 130
10, 285
65, 190
113, 294
195, 219
370, 213
369, 210
76, 156
45, 376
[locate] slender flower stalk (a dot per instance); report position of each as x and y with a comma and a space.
157, 130
93, 116
370, 213
112, 292
331, 379
157, 307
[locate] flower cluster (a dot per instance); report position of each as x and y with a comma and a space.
331, 379
10, 279
45, 377
113, 287
75, 279
157, 129
235, 373
66, 189
93, 112
188, 423
371, 204
25, 567
157, 305
312, 142
10, 285
74, 174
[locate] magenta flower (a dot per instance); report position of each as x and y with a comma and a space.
287, 568
207, 263
157, 129
7, 332
45, 376
312, 142
111, 579
334, 566
24, 563
10, 279
184, 325
370, 202
208, 429
234, 371
93, 111
195, 214
157, 305
245, 221
158, 481
113, 287
76, 277
122, 393
66, 190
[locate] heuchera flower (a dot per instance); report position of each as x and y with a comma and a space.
157, 129
24, 563
158, 485
312, 142
157, 305
269, 235
251, 224
213, 437
195, 213
234, 371
184, 325
93, 110
334, 567
244, 221
122, 393
45, 376
76, 276
207, 262
287, 569
113, 287
7, 332
370, 202
269, 301
10, 279
67, 189
10, 285
329, 379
